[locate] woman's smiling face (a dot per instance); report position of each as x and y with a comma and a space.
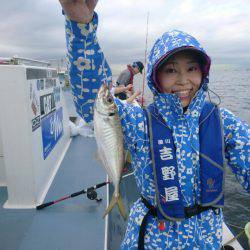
181, 75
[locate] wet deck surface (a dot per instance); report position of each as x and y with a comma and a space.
75, 223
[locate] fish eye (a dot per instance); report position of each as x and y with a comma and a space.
110, 99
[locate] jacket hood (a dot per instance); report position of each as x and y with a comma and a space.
168, 44
169, 105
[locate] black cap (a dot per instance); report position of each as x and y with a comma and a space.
139, 65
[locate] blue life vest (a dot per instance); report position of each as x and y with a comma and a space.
163, 153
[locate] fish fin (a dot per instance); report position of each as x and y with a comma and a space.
121, 207
111, 205
119, 202
127, 157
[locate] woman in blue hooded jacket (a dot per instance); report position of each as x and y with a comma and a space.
179, 146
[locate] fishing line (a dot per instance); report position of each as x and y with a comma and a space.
233, 239
232, 225
208, 89
145, 63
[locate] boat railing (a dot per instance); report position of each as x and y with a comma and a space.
15, 60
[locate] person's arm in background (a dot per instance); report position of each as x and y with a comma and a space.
121, 88
237, 147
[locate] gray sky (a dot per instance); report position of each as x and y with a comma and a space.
35, 29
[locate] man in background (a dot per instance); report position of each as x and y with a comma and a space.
124, 83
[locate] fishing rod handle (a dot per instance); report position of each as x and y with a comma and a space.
100, 185
86, 190
44, 205
78, 193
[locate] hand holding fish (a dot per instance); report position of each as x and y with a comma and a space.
81, 11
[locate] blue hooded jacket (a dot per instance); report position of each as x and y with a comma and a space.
88, 69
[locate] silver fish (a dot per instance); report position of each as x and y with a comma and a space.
109, 138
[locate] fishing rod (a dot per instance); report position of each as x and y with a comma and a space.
145, 63
91, 194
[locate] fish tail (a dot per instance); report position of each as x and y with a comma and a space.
116, 200
111, 205
121, 207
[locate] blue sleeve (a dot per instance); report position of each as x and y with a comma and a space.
134, 125
87, 66
237, 147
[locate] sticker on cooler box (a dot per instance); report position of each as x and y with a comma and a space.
52, 130
47, 104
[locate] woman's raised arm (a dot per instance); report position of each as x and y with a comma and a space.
87, 66
88, 69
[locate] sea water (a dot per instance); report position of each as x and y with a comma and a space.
233, 87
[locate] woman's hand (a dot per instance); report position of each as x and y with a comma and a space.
81, 11
133, 97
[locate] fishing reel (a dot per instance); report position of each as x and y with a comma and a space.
92, 194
